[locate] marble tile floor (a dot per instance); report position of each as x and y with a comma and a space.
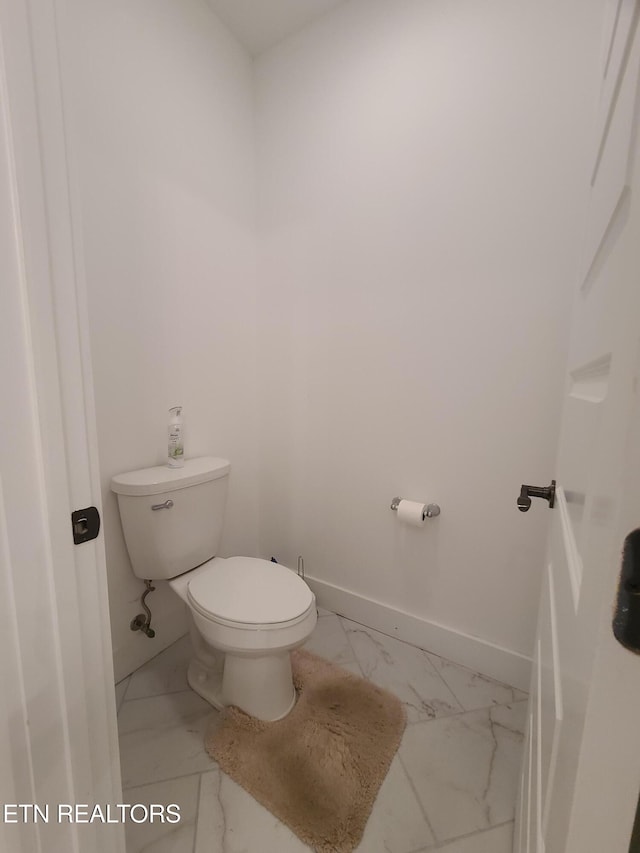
450, 788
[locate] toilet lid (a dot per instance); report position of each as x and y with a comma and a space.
250, 591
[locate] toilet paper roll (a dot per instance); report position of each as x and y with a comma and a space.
411, 512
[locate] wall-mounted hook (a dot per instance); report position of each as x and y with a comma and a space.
547, 493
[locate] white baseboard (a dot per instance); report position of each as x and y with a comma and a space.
494, 661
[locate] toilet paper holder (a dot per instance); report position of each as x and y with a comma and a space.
430, 511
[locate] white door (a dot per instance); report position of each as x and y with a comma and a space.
58, 736
581, 769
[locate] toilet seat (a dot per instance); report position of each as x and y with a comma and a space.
251, 593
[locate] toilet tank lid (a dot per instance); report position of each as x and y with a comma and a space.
162, 478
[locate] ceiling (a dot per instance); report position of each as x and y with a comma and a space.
258, 24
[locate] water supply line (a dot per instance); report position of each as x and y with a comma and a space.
142, 622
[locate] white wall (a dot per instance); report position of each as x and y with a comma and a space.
159, 100
419, 178
418, 186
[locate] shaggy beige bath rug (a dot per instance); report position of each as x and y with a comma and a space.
320, 769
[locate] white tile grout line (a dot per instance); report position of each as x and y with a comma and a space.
442, 844
415, 794
473, 672
173, 778
353, 651
156, 695
160, 695
197, 814
352, 658
442, 678
472, 711
122, 698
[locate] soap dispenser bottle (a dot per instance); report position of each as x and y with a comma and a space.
176, 439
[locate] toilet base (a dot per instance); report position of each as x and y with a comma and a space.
260, 686
206, 682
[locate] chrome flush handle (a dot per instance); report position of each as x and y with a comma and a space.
166, 505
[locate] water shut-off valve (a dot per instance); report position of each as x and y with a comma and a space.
142, 621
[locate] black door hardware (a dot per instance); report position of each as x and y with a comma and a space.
626, 618
85, 524
548, 493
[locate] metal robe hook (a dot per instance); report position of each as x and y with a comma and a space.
547, 493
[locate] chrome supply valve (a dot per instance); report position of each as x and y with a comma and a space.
142, 621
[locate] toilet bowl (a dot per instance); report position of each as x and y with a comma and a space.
254, 612
246, 614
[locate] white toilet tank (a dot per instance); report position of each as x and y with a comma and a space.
172, 517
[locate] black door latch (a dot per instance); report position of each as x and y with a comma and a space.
626, 617
85, 524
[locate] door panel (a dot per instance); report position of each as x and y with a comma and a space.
551, 708
572, 559
584, 735
536, 755
58, 705
613, 130
617, 32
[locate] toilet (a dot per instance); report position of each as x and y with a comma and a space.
245, 614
